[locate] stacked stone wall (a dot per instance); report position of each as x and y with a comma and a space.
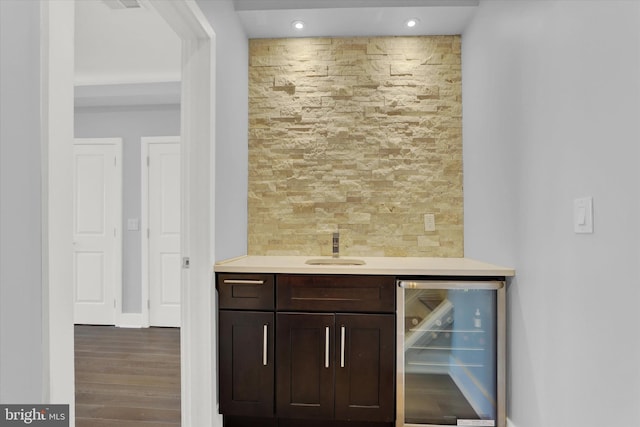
363, 135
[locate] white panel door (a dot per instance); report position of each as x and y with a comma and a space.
97, 244
164, 231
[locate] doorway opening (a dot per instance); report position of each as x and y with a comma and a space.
127, 216
127, 74
197, 207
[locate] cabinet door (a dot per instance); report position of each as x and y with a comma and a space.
246, 366
305, 352
365, 367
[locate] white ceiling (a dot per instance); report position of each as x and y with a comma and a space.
121, 46
273, 18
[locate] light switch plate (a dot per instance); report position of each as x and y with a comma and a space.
583, 215
133, 224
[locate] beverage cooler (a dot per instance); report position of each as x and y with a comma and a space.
451, 353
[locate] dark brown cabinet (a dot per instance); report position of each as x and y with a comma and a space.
246, 344
335, 366
246, 291
347, 294
246, 358
365, 367
306, 350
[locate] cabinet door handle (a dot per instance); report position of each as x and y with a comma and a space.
265, 333
243, 282
326, 347
342, 336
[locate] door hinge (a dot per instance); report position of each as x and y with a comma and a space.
148, 233
115, 161
114, 303
148, 304
148, 161
185, 262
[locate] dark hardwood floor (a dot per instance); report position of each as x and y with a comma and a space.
127, 377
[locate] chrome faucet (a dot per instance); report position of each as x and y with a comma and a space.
336, 244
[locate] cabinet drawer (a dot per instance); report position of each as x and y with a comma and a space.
336, 293
245, 291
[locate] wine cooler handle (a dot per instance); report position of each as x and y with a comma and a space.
449, 284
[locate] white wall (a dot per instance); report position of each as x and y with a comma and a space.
232, 79
20, 204
129, 123
551, 99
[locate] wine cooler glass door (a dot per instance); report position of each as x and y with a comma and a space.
447, 353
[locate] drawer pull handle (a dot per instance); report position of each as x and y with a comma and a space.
264, 344
243, 282
326, 347
342, 336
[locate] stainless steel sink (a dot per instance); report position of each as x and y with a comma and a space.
334, 261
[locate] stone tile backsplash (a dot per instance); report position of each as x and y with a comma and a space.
360, 135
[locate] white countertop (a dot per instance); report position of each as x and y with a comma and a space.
405, 266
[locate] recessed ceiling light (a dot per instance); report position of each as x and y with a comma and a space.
298, 25
410, 23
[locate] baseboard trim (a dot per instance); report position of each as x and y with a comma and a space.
130, 320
